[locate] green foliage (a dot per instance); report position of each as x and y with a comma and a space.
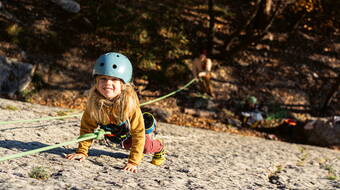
27, 94
37, 83
14, 30
277, 170
152, 37
10, 107
39, 173
331, 174
276, 112
326, 164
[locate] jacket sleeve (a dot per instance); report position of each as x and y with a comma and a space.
87, 125
138, 137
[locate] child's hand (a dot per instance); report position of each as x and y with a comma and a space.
76, 156
131, 168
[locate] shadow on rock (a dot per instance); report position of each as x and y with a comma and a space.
61, 151
27, 146
96, 152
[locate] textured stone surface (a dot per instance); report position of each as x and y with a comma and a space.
196, 159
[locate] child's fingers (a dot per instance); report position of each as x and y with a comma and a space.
130, 168
133, 170
76, 156
69, 156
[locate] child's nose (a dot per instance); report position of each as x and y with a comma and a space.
109, 81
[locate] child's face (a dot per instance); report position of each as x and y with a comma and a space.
109, 87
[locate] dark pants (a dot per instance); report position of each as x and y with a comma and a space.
206, 85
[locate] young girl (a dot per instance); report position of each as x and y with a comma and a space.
113, 104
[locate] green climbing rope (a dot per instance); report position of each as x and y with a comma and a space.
96, 135
99, 134
170, 94
77, 115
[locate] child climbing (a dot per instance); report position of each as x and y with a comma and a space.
113, 105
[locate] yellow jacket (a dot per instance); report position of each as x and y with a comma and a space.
137, 130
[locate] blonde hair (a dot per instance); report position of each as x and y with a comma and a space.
117, 110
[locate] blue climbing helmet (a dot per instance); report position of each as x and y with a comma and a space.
114, 65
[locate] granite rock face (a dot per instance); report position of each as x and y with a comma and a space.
196, 158
15, 76
324, 133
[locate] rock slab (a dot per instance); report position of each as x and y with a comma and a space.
196, 159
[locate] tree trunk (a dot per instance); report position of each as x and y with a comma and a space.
211, 27
258, 26
263, 16
234, 35
255, 28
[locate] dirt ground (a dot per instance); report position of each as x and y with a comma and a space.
196, 159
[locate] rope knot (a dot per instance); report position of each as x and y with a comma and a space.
99, 134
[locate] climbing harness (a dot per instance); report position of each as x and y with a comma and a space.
118, 133
98, 134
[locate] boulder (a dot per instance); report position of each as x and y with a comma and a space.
68, 5
324, 133
15, 76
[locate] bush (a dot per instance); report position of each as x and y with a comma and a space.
39, 173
